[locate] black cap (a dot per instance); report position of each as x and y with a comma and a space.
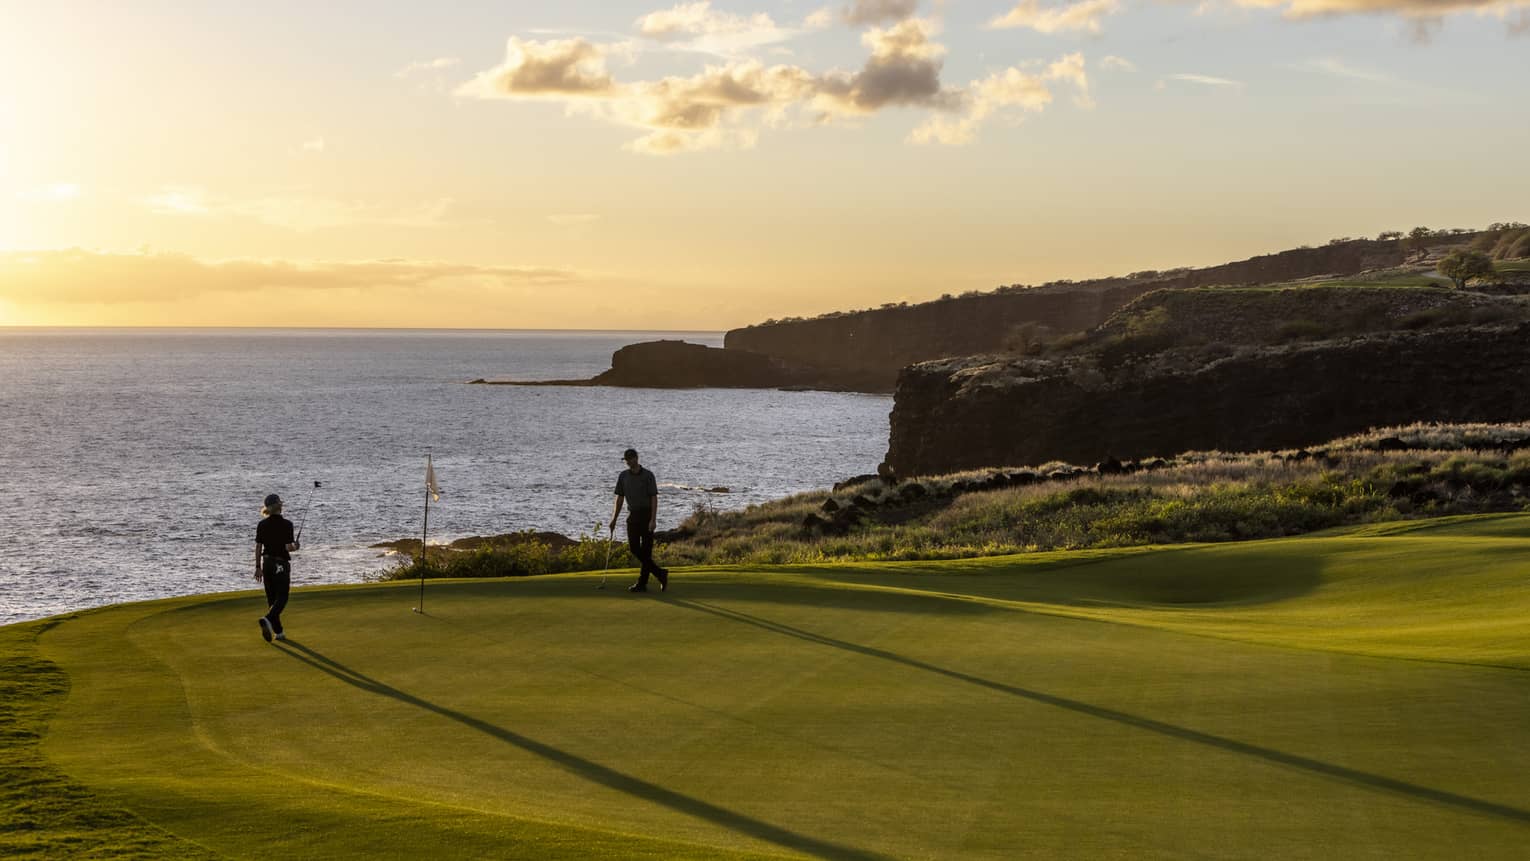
631, 452
273, 499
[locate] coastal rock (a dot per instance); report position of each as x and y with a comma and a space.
677, 364
964, 414
681, 365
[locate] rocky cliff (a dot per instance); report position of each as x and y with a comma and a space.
871, 346
681, 365
968, 413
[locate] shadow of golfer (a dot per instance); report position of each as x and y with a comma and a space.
1337, 772
586, 769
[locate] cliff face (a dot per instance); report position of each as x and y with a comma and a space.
678, 365
874, 345
967, 413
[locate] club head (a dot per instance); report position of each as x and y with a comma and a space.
416, 610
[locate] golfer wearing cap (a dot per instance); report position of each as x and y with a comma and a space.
274, 544
640, 490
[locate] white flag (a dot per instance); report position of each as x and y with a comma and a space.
430, 480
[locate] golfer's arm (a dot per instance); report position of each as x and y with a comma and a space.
616, 512
653, 508
258, 549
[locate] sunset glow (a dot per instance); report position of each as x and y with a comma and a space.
703, 165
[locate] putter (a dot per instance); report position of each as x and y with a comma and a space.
606, 568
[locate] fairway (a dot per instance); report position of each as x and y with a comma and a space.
1359, 694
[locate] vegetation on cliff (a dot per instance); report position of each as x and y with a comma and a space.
1425, 470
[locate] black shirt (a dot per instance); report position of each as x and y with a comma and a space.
274, 534
639, 488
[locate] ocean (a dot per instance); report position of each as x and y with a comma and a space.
133, 462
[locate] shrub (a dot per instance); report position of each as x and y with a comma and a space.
1301, 330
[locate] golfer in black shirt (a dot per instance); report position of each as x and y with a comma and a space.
640, 490
274, 544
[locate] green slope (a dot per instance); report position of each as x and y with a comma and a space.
1134, 704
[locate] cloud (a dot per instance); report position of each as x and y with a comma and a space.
58, 192
1027, 92
1084, 15
177, 201
1424, 13
904, 69
690, 114
1205, 80
302, 213
819, 19
727, 104
692, 19
700, 28
1339, 69
1113, 63
562, 68
862, 12
439, 64
314, 145
77, 276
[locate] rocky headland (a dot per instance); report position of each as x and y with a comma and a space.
682, 365
970, 413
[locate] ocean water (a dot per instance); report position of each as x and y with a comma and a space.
133, 462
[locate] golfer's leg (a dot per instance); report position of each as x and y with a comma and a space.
277, 592
268, 581
635, 532
647, 542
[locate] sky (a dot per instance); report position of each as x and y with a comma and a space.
707, 165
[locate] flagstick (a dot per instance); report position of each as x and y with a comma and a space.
424, 534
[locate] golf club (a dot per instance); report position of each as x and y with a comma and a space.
307, 506
606, 568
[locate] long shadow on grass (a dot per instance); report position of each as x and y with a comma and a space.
1339, 772
591, 771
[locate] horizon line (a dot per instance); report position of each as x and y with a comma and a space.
149, 327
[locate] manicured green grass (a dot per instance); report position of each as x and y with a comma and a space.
1223, 701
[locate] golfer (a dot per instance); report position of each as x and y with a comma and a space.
274, 545
640, 490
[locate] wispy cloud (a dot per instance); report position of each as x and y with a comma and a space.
699, 28
1339, 69
298, 212
81, 276
1205, 80
177, 200
1113, 63
58, 192
1083, 15
439, 64
1515, 13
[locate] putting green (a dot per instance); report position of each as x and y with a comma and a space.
1141, 704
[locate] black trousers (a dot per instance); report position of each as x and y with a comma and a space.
277, 576
640, 542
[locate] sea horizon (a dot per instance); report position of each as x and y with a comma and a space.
395, 329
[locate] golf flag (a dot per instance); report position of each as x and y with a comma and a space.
430, 480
